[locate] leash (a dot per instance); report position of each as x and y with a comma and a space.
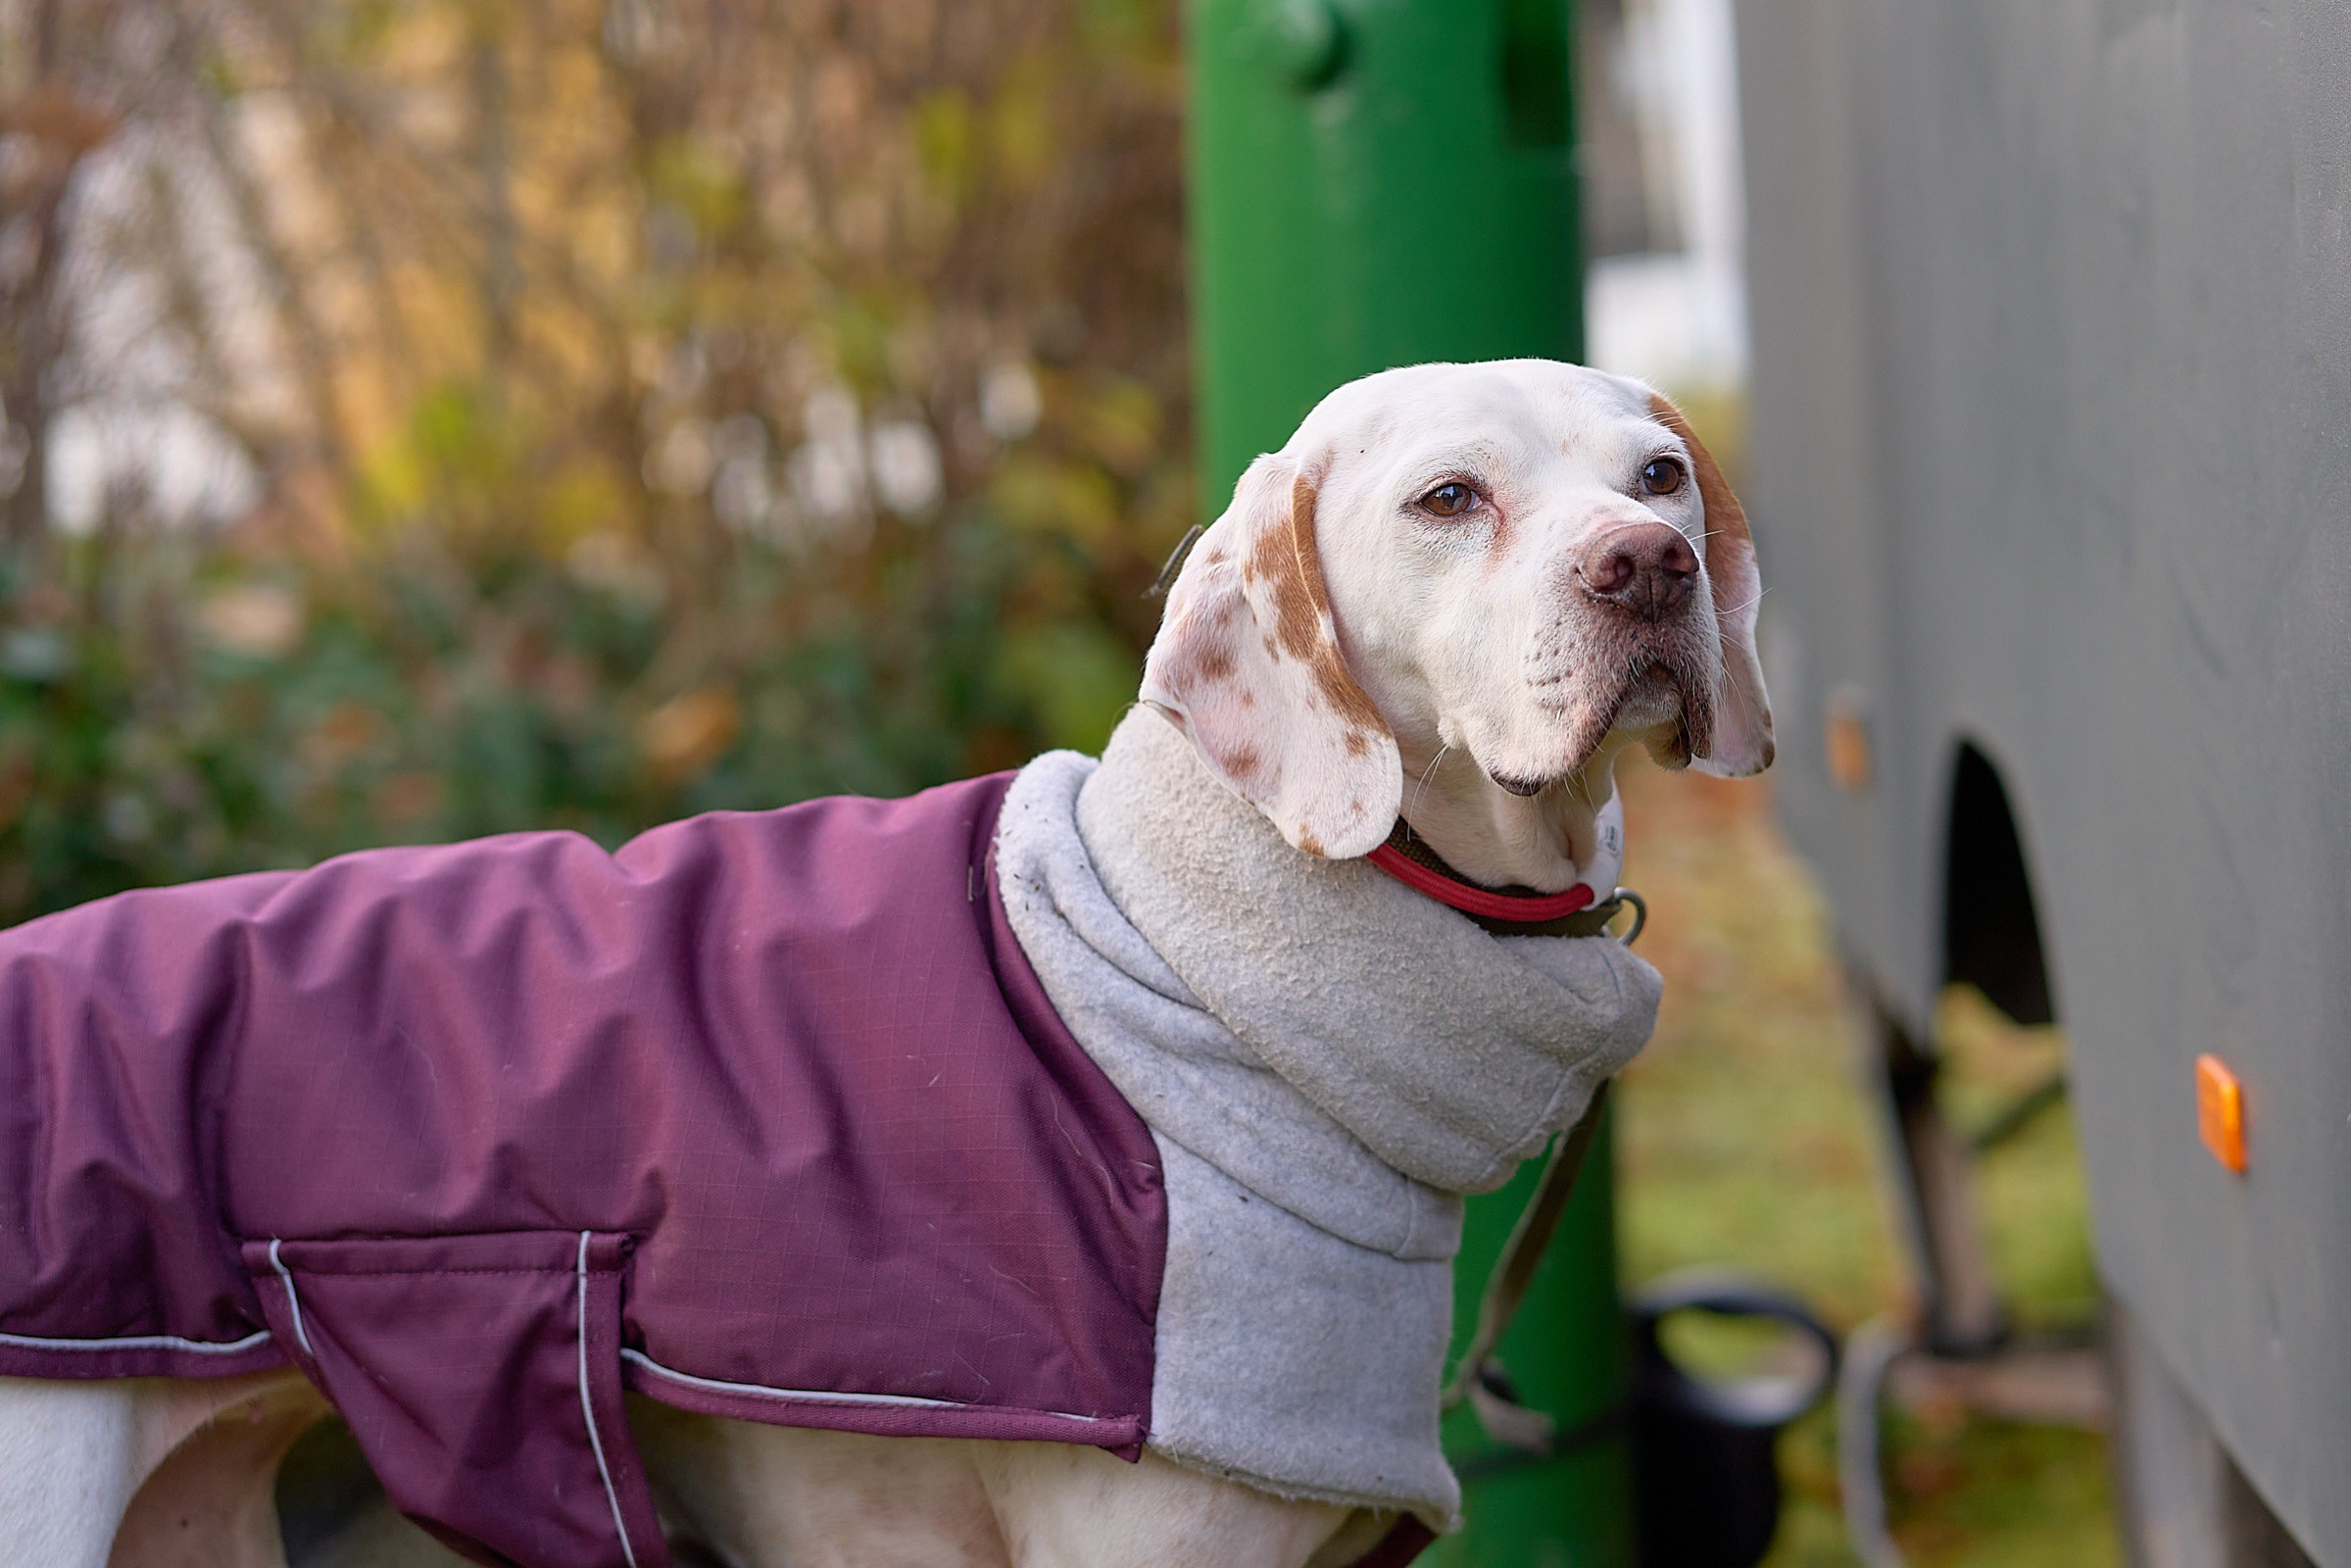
1480, 1379
1175, 563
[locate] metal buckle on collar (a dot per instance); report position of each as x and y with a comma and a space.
1624, 898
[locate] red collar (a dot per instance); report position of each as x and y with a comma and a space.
1470, 899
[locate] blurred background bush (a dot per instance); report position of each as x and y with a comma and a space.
431, 418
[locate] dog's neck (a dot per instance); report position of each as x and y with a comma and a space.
1498, 839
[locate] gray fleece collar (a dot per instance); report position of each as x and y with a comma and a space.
1327, 1059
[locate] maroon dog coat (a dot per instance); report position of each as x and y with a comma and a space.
763, 1116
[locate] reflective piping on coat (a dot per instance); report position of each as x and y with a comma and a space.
828, 1396
141, 1341
302, 1336
587, 1410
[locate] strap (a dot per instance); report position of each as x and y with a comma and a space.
1470, 898
1575, 912
1404, 1542
1479, 1380
1175, 562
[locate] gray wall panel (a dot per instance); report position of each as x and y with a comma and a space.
2053, 449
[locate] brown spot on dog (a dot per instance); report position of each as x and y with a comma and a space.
1289, 562
1358, 742
1284, 560
1309, 843
1242, 762
1199, 653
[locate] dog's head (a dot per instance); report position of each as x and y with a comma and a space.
1494, 576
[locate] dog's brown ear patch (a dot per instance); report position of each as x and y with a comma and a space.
1287, 564
1726, 532
1742, 739
1248, 664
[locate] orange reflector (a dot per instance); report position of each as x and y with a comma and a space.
1847, 731
2220, 1111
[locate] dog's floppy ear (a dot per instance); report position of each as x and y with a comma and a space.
1742, 709
1248, 664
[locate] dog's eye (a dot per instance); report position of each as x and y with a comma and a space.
1663, 477
1449, 500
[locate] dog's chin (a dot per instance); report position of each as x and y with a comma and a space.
1668, 716
1667, 711
1652, 700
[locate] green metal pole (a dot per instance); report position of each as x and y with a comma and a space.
1381, 182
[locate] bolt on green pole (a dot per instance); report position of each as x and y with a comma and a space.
1382, 182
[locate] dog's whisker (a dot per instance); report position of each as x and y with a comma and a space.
1743, 609
1427, 774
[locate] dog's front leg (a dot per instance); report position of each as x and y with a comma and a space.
207, 1453
68, 1468
769, 1496
1062, 1506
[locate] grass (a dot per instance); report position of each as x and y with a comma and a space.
1743, 1140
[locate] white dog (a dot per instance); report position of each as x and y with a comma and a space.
1452, 598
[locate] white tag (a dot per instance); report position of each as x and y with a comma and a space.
1608, 855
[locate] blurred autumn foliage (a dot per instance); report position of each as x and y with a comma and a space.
435, 417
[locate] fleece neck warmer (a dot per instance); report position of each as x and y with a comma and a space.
1328, 1061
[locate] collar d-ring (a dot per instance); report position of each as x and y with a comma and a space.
1641, 912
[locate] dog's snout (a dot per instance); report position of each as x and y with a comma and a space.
1645, 568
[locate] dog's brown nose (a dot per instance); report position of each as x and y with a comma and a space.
1645, 568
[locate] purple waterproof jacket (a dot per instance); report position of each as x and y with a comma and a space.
764, 1115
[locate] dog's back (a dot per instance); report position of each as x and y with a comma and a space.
764, 1115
